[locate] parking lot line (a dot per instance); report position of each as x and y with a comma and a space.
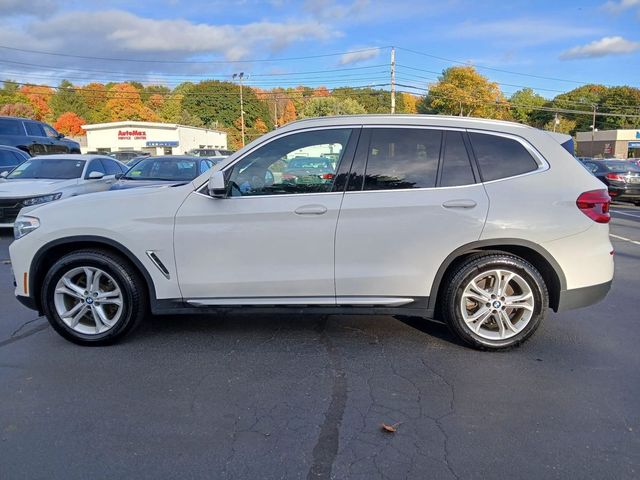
625, 213
625, 239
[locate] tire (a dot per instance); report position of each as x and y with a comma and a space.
477, 318
97, 316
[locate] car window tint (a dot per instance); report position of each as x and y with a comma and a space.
59, 168
303, 162
402, 158
500, 157
456, 166
10, 127
50, 132
34, 129
111, 167
8, 159
95, 166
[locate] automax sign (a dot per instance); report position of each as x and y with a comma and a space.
132, 135
162, 144
634, 144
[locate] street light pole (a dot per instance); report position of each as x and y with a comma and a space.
240, 76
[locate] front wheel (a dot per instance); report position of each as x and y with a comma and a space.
495, 301
93, 297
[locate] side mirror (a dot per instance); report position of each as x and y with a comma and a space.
60, 136
217, 186
96, 175
119, 176
4, 174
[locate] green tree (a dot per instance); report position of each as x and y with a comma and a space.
373, 100
463, 91
326, 106
581, 98
67, 99
625, 100
524, 104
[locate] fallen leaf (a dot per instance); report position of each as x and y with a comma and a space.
391, 428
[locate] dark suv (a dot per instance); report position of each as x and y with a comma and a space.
33, 137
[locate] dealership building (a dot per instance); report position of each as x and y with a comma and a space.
609, 143
151, 137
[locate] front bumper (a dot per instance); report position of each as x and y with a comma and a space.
583, 297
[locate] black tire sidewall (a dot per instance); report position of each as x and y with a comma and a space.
482, 264
125, 280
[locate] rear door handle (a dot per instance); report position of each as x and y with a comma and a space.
464, 203
311, 210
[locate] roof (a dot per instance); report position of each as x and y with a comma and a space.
136, 123
72, 156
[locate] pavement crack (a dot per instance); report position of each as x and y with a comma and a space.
326, 449
16, 335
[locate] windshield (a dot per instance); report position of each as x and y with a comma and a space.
622, 167
172, 169
50, 168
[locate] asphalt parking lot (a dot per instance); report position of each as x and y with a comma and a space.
305, 397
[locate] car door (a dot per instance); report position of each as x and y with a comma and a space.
90, 185
413, 197
271, 241
38, 143
55, 143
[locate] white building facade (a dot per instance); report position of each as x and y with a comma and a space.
151, 137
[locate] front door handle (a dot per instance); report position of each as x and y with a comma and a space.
311, 210
463, 203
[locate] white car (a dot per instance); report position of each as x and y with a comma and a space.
47, 178
481, 224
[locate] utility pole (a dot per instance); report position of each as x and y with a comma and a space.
393, 80
240, 76
275, 111
593, 129
555, 121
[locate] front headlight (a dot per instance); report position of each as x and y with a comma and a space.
24, 225
41, 199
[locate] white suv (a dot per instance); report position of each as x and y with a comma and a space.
481, 224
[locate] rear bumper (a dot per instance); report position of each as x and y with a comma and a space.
583, 297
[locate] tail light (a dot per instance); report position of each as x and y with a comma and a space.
595, 205
327, 176
617, 177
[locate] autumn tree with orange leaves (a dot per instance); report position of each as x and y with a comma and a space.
70, 124
39, 97
125, 103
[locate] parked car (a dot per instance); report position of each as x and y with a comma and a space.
468, 221
308, 170
52, 177
11, 157
209, 152
33, 137
622, 178
162, 170
126, 156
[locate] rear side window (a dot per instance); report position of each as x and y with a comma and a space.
34, 129
402, 158
95, 166
456, 166
8, 159
10, 127
111, 167
500, 157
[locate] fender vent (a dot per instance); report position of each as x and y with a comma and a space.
156, 261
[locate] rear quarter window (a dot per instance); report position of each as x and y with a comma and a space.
11, 127
500, 157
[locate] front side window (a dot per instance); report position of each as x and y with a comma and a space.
402, 158
500, 157
58, 169
95, 166
299, 163
111, 167
170, 169
51, 133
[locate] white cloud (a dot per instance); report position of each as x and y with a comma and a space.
359, 55
331, 10
621, 5
520, 31
602, 48
40, 8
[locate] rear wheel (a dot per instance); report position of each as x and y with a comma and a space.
93, 297
495, 301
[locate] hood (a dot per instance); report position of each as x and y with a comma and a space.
32, 187
126, 184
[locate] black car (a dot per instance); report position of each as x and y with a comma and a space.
167, 169
11, 157
126, 156
33, 137
621, 178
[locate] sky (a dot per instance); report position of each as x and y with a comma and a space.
550, 46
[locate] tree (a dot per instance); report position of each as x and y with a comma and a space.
325, 106
70, 123
524, 105
171, 109
564, 125
409, 102
23, 110
10, 94
38, 97
463, 91
125, 103
625, 100
289, 114
581, 98
95, 97
67, 99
